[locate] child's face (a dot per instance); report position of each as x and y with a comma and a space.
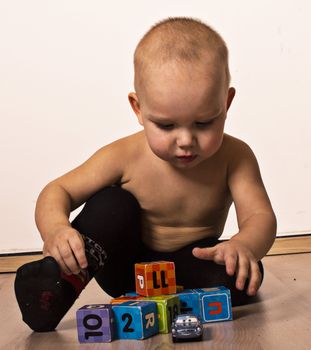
183, 112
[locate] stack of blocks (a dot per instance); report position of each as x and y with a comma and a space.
152, 308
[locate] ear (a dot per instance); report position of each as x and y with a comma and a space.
134, 102
231, 94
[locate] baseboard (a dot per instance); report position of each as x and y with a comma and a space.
281, 246
10, 263
291, 245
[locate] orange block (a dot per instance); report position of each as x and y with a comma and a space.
123, 299
155, 278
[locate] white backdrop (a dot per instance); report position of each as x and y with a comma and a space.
66, 70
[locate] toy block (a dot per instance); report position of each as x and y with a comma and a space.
131, 294
168, 307
179, 289
95, 323
215, 304
125, 298
155, 278
136, 319
189, 302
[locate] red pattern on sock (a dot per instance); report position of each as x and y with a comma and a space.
78, 281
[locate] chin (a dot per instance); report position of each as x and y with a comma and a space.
186, 165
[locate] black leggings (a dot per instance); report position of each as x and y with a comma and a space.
112, 218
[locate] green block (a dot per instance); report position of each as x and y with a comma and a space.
168, 308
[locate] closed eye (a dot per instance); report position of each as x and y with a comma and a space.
204, 124
165, 126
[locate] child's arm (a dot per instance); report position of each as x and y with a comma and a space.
67, 193
256, 220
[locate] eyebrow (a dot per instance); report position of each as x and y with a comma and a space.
212, 115
159, 119
162, 119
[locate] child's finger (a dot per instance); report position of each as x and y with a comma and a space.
68, 258
77, 246
56, 255
243, 272
204, 253
231, 263
255, 279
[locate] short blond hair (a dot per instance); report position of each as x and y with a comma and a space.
180, 39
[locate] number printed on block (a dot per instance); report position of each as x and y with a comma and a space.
95, 323
136, 319
168, 307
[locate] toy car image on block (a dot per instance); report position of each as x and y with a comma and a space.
186, 327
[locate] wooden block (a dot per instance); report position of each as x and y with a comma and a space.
189, 302
179, 289
125, 298
95, 323
168, 307
215, 304
155, 278
136, 319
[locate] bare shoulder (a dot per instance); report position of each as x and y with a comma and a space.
127, 145
234, 146
105, 167
123, 152
241, 160
237, 152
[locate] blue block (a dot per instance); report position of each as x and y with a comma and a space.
131, 294
189, 302
136, 319
215, 304
95, 323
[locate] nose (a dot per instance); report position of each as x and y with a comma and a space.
185, 139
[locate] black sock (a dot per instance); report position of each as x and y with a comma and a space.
45, 294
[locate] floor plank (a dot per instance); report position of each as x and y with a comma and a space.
280, 319
291, 245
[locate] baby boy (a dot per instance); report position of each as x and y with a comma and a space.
160, 194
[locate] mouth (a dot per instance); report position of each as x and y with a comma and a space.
186, 159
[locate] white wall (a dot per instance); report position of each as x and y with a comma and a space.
66, 69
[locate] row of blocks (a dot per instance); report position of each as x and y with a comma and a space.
139, 315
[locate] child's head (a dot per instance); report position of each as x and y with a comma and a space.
182, 90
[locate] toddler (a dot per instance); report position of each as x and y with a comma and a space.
160, 194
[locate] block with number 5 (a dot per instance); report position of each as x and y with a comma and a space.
136, 319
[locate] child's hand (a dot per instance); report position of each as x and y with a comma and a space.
238, 259
66, 246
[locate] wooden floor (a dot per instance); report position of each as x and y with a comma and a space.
280, 319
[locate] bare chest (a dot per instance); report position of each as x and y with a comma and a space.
176, 199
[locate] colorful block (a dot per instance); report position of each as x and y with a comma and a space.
136, 319
168, 307
215, 304
155, 278
95, 323
190, 302
125, 298
179, 288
